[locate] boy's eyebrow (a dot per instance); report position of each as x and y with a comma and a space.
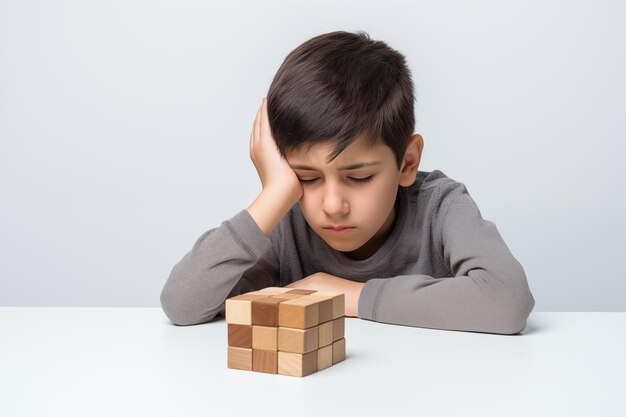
344, 168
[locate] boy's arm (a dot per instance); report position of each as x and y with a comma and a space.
213, 270
488, 292
216, 266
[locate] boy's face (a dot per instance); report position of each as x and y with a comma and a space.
335, 197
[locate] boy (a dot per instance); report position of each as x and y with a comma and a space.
408, 247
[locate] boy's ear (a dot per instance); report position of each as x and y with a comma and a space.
411, 160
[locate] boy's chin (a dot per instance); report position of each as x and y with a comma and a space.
343, 246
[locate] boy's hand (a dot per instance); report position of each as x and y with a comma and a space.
273, 169
322, 281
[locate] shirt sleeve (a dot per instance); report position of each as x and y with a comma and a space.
488, 292
228, 260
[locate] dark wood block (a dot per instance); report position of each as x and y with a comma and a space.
240, 335
265, 311
265, 361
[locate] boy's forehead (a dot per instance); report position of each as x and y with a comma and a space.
344, 161
357, 150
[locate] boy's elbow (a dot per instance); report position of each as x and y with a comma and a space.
179, 311
517, 308
171, 308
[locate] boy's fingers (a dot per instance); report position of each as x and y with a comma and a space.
265, 118
257, 123
262, 118
253, 134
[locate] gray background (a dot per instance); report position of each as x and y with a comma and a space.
125, 126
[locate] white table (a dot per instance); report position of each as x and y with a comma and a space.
134, 362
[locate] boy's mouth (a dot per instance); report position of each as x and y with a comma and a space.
339, 230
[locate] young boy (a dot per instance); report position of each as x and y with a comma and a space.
335, 135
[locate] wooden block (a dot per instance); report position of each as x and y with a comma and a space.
240, 335
274, 290
257, 292
296, 364
239, 308
287, 331
325, 334
339, 302
326, 306
339, 328
298, 340
265, 311
301, 291
286, 296
339, 350
265, 361
264, 337
239, 358
324, 357
299, 313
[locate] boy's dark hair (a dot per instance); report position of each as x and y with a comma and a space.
338, 86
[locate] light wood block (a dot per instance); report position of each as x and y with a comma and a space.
339, 350
296, 364
299, 313
298, 340
326, 306
239, 308
286, 296
325, 334
264, 337
240, 358
240, 335
339, 302
300, 291
324, 357
339, 328
274, 290
265, 361
259, 292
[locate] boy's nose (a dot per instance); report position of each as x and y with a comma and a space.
334, 204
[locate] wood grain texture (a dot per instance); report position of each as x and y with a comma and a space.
240, 335
265, 311
239, 358
325, 334
298, 340
265, 361
339, 350
299, 313
239, 308
338, 300
264, 337
301, 291
339, 328
325, 357
286, 331
296, 364
274, 290
326, 310
286, 296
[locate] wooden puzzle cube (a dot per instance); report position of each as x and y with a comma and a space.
286, 331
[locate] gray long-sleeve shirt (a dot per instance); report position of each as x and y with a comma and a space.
443, 266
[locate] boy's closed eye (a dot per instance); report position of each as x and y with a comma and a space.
354, 180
